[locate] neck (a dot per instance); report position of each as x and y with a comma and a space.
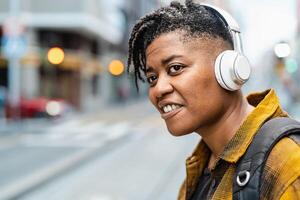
218, 134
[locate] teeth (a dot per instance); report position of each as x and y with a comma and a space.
165, 109
169, 108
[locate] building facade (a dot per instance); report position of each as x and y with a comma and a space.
91, 34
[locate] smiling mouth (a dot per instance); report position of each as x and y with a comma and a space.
170, 110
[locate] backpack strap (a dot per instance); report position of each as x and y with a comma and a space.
246, 183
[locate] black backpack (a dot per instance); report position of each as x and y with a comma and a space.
246, 183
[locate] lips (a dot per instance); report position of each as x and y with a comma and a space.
170, 114
169, 108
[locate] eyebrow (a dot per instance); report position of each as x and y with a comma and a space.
170, 58
149, 69
164, 62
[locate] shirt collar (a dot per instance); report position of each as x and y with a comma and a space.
266, 106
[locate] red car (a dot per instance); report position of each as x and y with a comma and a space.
38, 107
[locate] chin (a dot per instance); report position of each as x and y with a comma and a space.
177, 130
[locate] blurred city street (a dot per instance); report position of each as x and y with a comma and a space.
98, 156
73, 125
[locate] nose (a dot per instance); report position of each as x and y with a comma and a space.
162, 87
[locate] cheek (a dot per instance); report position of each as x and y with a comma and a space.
198, 86
203, 96
151, 96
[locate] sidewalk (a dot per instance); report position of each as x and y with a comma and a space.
33, 125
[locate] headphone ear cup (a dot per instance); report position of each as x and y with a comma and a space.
242, 69
232, 70
218, 74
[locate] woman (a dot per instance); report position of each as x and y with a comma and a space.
176, 49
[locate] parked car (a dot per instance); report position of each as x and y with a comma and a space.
38, 108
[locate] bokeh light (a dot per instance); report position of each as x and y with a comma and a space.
56, 55
282, 50
53, 108
291, 65
116, 67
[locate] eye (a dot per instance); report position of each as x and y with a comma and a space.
151, 79
175, 69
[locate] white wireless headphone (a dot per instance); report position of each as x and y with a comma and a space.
232, 68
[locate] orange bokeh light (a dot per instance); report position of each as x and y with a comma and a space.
56, 55
116, 67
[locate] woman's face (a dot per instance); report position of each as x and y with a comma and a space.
182, 83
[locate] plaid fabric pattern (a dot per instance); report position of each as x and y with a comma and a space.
280, 178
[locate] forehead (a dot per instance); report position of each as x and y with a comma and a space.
180, 43
169, 40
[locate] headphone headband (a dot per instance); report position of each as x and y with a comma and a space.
228, 19
231, 23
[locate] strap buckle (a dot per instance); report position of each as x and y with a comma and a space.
243, 178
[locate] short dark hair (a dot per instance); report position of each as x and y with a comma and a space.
196, 20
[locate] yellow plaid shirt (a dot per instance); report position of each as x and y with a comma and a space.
280, 178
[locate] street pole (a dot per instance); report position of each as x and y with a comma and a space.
14, 85
14, 62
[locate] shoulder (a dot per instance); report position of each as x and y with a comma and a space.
287, 150
282, 168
